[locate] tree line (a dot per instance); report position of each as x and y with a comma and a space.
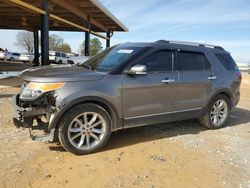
25, 41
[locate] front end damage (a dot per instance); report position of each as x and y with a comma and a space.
35, 115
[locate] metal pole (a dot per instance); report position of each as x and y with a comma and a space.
45, 34
108, 40
87, 38
36, 48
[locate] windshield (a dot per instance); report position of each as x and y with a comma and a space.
111, 57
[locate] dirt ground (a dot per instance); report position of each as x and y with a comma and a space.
179, 154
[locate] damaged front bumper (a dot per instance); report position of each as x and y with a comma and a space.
35, 115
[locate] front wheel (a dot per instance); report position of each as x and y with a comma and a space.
217, 113
85, 129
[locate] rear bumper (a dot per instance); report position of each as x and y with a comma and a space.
25, 59
236, 99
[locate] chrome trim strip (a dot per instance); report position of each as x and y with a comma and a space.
164, 113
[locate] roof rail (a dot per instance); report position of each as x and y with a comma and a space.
189, 43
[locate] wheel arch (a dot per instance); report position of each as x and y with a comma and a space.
116, 120
224, 92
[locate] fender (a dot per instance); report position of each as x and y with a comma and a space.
224, 90
117, 122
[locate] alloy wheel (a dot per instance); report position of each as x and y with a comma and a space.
87, 130
219, 112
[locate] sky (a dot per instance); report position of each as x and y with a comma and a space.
220, 22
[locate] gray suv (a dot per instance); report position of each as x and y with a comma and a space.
128, 85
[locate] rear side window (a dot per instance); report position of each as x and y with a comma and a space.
191, 61
58, 54
227, 61
158, 62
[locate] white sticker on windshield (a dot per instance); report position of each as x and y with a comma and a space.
125, 51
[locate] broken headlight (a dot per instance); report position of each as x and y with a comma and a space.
35, 89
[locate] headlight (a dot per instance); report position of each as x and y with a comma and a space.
35, 89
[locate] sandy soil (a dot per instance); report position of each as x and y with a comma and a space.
179, 154
13, 66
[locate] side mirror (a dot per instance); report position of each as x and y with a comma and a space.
137, 70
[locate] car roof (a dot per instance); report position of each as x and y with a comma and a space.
200, 47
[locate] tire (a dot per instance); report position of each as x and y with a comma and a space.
219, 109
90, 134
59, 62
11, 59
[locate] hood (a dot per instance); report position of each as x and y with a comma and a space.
60, 73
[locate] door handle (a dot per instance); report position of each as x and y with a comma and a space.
212, 77
167, 80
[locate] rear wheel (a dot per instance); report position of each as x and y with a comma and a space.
217, 113
12, 59
59, 62
85, 129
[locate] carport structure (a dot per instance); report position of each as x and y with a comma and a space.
89, 16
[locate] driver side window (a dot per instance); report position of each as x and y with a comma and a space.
161, 61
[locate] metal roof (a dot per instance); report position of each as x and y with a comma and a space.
16, 14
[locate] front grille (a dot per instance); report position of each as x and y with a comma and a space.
47, 99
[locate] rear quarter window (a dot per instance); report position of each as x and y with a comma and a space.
227, 61
58, 54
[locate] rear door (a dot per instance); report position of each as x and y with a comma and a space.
195, 84
16, 56
149, 98
58, 57
64, 58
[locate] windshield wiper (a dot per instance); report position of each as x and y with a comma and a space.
85, 66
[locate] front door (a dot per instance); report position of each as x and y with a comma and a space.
150, 98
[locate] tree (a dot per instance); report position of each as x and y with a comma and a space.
25, 40
95, 47
54, 42
65, 48
82, 48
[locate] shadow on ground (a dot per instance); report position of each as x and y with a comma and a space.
137, 135
13, 66
12, 82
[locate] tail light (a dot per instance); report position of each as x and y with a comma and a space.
239, 76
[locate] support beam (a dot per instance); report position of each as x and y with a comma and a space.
36, 48
108, 40
45, 34
54, 17
109, 14
26, 6
87, 38
15, 24
66, 5
31, 8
